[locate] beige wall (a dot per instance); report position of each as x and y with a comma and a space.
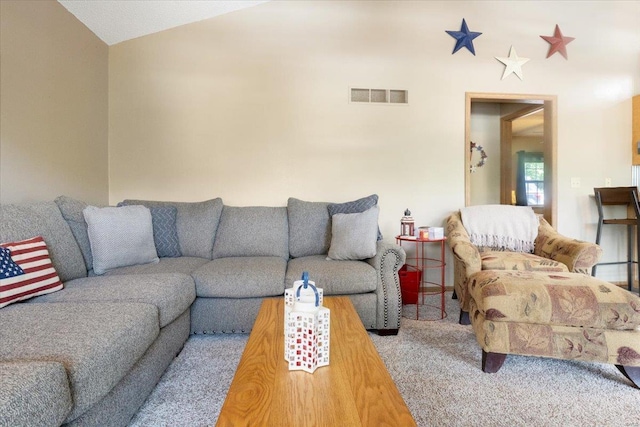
253, 106
53, 105
484, 183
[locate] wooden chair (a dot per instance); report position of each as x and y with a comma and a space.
627, 197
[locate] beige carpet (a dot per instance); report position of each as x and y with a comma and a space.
436, 366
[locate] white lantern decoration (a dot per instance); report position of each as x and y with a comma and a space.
306, 327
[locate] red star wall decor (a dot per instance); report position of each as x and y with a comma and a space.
558, 43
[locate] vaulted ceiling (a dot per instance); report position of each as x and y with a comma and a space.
115, 21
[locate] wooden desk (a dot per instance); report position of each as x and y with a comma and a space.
354, 390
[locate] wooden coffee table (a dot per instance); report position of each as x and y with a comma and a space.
354, 390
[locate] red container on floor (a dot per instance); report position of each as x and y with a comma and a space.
410, 278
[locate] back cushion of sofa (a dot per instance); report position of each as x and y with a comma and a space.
252, 231
71, 210
309, 228
20, 222
196, 223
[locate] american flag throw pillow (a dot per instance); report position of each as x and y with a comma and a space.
26, 271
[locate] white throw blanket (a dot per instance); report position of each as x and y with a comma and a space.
513, 228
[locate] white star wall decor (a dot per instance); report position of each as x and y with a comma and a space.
513, 64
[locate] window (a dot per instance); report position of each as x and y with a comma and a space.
530, 179
534, 182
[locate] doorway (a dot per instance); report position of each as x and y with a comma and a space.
509, 114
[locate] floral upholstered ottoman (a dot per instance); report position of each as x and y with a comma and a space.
560, 315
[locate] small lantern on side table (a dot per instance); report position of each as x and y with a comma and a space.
306, 327
407, 224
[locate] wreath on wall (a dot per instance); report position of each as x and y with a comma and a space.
483, 156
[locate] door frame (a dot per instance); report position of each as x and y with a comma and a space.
549, 102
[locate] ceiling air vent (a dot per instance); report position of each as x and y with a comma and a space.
379, 96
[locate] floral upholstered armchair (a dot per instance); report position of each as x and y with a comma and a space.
552, 252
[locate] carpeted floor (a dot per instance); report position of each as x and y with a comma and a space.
436, 366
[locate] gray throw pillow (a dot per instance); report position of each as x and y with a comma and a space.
120, 237
165, 233
355, 206
353, 236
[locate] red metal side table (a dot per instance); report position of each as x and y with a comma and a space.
423, 263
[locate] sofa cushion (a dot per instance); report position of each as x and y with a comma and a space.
183, 264
165, 232
567, 299
354, 236
71, 210
120, 236
170, 293
334, 277
252, 231
355, 206
241, 277
309, 228
196, 223
506, 260
33, 394
97, 343
20, 222
26, 271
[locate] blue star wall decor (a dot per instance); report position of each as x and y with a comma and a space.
464, 38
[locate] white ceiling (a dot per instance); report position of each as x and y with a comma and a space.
115, 21
530, 125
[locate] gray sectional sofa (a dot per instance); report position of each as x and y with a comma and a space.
92, 352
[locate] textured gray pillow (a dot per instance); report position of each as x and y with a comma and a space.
120, 237
353, 236
165, 233
355, 206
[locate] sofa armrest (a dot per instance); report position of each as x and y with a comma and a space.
385, 249
577, 255
466, 258
388, 260
464, 252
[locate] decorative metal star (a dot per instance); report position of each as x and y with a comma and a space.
558, 43
513, 63
464, 38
